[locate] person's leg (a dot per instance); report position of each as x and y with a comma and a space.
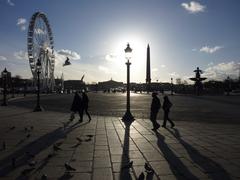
154, 120
87, 113
80, 115
171, 122
164, 119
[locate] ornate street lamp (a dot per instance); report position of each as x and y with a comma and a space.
128, 117
38, 107
4, 73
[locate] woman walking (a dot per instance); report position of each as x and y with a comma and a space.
166, 108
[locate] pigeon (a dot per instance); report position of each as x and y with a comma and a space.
129, 165
87, 140
89, 135
68, 167
141, 176
79, 139
44, 177
56, 148
59, 143
148, 168
32, 163
13, 127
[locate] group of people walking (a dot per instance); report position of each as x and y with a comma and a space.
155, 107
80, 105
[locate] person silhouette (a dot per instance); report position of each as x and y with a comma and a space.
155, 106
85, 101
76, 106
166, 108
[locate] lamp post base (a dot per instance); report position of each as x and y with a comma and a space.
128, 117
38, 108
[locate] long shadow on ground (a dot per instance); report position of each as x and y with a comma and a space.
215, 171
177, 167
33, 148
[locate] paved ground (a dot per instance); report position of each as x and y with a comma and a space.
192, 150
185, 108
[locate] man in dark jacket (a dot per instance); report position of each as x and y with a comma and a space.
85, 102
76, 106
155, 106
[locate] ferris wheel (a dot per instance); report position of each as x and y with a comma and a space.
40, 46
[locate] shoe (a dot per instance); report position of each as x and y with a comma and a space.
163, 126
80, 120
172, 125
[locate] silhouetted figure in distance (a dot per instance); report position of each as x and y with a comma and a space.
85, 102
77, 106
166, 108
155, 106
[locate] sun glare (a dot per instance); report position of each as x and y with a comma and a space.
138, 60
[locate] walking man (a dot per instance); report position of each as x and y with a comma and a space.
85, 102
155, 106
166, 108
76, 106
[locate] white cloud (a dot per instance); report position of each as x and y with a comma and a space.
104, 69
163, 66
111, 57
10, 3
222, 70
154, 69
21, 23
72, 55
193, 7
21, 55
210, 50
3, 58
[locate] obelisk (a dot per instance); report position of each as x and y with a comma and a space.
148, 70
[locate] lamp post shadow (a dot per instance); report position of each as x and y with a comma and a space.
125, 160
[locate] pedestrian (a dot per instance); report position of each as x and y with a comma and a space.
76, 107
85, 101
166, 108
155, 106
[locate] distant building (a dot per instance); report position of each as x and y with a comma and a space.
105, 85
74, 85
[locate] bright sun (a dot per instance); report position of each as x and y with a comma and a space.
117, 57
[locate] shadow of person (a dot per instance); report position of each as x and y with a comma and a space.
125, 160
34, 148
177, 167
208, 165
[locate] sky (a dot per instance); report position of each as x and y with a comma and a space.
182, 35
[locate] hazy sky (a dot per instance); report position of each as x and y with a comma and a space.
182, 35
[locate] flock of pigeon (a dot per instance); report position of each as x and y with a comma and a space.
55, 148
148, 169
32, 163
